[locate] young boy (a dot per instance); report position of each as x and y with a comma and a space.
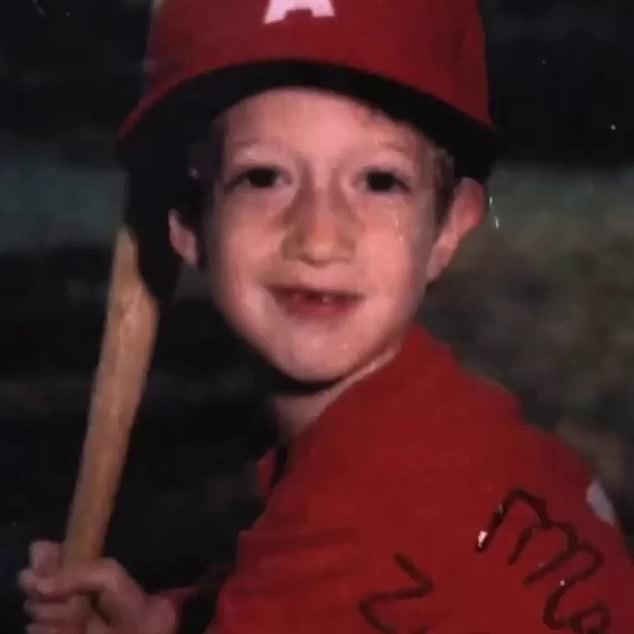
342, 164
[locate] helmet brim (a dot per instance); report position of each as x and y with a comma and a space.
181, 114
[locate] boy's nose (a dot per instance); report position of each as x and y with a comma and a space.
320, 230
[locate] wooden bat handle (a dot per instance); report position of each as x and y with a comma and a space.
128, 343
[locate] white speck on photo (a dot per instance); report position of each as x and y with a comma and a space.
600, 503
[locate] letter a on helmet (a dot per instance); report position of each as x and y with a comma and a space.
279, 9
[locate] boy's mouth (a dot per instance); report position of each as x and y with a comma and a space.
314, 303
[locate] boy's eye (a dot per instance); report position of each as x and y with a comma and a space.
259, 178
384, 181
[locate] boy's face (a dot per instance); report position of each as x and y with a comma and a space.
320, 231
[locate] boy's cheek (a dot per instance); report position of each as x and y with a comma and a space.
404, 260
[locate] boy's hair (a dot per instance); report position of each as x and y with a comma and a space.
446, 178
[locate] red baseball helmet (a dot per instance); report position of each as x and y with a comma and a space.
419, 60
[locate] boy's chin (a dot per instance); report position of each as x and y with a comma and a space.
309, 375
304, 374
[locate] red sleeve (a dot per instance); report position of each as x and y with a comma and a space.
297, 575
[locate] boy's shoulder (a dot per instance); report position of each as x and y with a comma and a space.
428, 405
432, 435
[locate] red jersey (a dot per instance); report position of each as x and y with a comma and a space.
419, 503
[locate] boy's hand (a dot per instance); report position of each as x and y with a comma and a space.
120, 604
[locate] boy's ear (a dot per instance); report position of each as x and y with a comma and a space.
467, 210
183, 239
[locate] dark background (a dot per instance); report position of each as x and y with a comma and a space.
70, 69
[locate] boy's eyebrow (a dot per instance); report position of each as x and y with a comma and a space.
245, 144
398, 147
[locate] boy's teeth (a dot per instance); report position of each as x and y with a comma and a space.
322, 298
307, 295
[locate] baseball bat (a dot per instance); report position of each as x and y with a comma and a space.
128, 342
